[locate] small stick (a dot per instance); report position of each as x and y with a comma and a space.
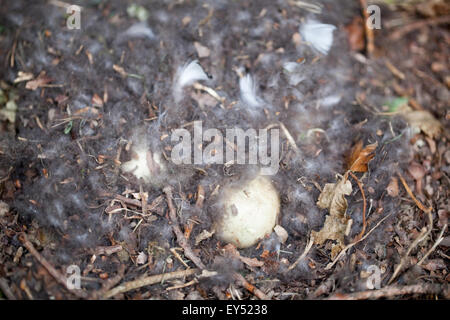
394, 70
423, 234
211, 92
199, 205
303, 255
109, 283
418, 203
391, 291
364, 207
107, 250
251, 288
187, 284
177, 255
399, 33
286, 133
438, 241
146, 281
53, 272
182, 241
370, 39
200, 197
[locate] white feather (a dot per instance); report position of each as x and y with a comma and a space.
139, 30
294, 72
319, 35
187, 75
190, 73
247, 87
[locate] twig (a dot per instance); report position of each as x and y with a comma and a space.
199, 205
330, 265
392, 291
364, 207
107, 250
394, 70
438, 241
423, 234
200, 197
184, 285
286, 133
251, 288
4, 287
53, 272
303, 255
182, 241
110, 283
417, 202
146, 281
211, 92
370, 39
177, 255
401, 32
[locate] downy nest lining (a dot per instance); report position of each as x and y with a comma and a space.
249, 212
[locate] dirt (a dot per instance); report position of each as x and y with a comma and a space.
81, 94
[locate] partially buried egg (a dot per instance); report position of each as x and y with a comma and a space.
249, 212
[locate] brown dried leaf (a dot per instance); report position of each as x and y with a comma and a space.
96, 100
205, 234
392, 188
359, 157
416, 170
89, 111
251, 262
40, 81
425, 121
333, 199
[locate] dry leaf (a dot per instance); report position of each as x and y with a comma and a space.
251, 262
23, 76
90, 111
281, 233
359, 157
333, 199
96, 100
40, 81
202, 51
141, 258
392, 188
205, 234
425, 121
186, 20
